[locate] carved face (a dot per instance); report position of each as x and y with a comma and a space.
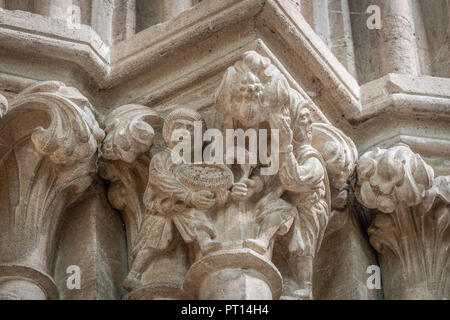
337, 170
185, 125
302, 127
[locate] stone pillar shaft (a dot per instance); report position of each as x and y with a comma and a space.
124, 20
306, 8
398, 47
168, 9
59, 9
235, 284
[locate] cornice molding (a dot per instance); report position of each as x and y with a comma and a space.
137, 63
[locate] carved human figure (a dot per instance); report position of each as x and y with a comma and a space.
254, 94
249, 92
171, 204
303, 174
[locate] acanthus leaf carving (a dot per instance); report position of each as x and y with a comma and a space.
411, 228
130, 133
61, 145
131, 129
48, 159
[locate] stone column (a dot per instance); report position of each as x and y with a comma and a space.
398, 47
92, 238
124, 20
59, 9
168, 9
321, 21
341, 36
102, 13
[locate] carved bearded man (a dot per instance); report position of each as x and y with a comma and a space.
303, 174
170, 204
254, 94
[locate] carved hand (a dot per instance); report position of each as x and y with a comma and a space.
245, 189
203, 199
239, 191
282, 123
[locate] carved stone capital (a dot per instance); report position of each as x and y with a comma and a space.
411, 227
218, 230
48, 150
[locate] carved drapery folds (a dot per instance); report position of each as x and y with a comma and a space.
411, 229
48, 151
220, 230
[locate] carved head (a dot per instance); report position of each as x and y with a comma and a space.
250, 89
337, 168
181, 119
338, 151
302, 126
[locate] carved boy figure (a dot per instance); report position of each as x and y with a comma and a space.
170, 203
303, 174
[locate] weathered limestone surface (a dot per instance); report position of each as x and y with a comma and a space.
345, 244
93, 238
411, 228
49, 145
91, 93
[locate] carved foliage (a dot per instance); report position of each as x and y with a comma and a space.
130, 131
393, 176
48, 153
413, 216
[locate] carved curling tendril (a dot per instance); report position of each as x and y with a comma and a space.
130, 131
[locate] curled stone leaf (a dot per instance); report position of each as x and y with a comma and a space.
387, 177
130, 130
